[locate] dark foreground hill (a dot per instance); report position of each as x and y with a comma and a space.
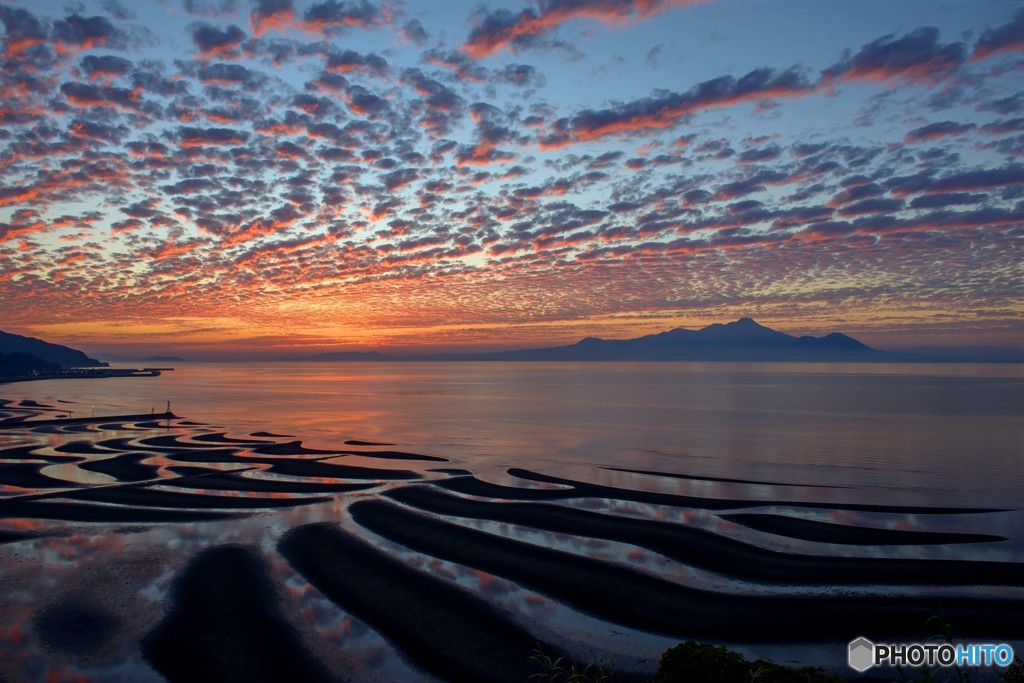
22, 364
45, 351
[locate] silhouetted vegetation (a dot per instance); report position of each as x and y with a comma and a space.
703, 663
23, 364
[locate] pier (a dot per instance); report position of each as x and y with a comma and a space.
90, 373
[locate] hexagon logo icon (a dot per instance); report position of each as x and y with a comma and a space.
861, 655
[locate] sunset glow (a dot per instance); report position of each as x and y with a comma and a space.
225, 178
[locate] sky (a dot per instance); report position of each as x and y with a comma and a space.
247, 178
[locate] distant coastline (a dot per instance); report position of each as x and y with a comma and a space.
743, 340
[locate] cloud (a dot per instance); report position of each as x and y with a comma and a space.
464, 67
756, 156
271, 15
933, 131
91, 95
323, 18
210, 8
224, 74
938, 201
916, 57
205, 137
350, 61
665, 110
332, 16
964, 181
500, 29
22, 30
213, 41
522, 75
1006, 38
412, 31
75, 33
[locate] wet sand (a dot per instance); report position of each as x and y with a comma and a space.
202, 479
694, 477
332, 471
149, 497
77, 512
224, 625
445, 629
397, 455
588, 490
713, 551
224, 614
125, 468
27, 475
826, 532
71, 421
645, 602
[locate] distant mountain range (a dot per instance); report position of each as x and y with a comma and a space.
46, 352
741, 340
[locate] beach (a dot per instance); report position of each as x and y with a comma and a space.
174, 548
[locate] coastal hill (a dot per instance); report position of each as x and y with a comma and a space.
741, 340
46, 352
22, 364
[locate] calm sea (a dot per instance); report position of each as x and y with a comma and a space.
923, 434
844, 437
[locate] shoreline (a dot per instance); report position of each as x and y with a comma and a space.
98, 419
433, 560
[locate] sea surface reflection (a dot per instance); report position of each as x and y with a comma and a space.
624, 466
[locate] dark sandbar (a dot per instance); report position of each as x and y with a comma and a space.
708, 550
305, 468
223, 439
694, 477
15, 536
826, 532
170, 441
588, 490
29, 453
355, 442
218, 455
291, 448
76, 627
26, 475
264, 434
443, 628
75, 512
225, 625
203, 479
397, 455
149, 497
29, 403
123, 426
646, 602
195, 454
126, 467
472, 486
83, 448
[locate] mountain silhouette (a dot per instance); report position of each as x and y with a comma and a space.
50, 353
741, 340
